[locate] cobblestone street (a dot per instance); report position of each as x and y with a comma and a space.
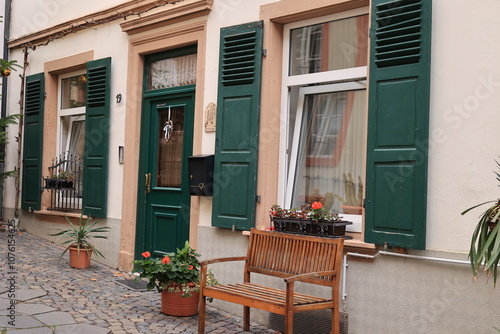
54, 298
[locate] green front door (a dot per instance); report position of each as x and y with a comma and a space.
164, 199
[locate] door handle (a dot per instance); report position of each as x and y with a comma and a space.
148, 183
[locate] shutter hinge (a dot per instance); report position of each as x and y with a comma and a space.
264, 52
258, 198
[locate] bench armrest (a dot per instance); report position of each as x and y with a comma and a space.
315, 274
223, 259
204, 266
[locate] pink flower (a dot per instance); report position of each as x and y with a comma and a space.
165, 260
191, 267
146, 254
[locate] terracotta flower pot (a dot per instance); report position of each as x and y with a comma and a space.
79, 258
172, 303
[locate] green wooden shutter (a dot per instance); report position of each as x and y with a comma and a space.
238, 107
33, 138
398, 123
95, 174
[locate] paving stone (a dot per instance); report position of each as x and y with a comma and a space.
80, 329
20, 321
55, 318
25, 294
26, 308
38, 330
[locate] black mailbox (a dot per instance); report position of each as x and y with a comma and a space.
201, 172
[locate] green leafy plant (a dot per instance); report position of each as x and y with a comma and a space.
176, 272
314, 211
4, 122
485, 244
6, 66
80, 235
64, 176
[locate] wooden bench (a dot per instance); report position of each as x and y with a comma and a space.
291, 257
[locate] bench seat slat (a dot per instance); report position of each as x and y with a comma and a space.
262, 297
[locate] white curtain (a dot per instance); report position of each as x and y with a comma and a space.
331, 149
172, 72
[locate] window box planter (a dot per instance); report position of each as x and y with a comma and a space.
321, 228
58, 184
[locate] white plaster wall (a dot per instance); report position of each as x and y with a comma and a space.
106, 41
465, 101
35, 15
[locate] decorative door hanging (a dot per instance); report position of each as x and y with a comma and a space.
168, 127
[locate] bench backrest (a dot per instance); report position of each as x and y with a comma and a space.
283, 255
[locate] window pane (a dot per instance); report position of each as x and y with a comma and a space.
73, 92
170, 144
330, 155
172, 72
329, 46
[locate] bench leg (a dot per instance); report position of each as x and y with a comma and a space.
246, 318
335, 321
202, 314
289, 323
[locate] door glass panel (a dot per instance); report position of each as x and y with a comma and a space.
170, 146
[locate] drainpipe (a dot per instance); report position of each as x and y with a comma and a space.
3, 107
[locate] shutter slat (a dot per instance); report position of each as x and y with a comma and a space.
400, 20
239, 55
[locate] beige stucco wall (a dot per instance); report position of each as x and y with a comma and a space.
465, 96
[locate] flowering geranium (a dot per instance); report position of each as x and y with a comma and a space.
175, 271
314, 211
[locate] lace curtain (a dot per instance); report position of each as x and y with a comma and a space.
172, 72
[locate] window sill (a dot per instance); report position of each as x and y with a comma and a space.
57, 216
357, 245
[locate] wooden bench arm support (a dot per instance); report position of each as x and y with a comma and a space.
316, 274
223, 259
204, 266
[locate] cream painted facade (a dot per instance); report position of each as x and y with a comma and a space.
385, 294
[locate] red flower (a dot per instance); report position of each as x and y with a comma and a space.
166, 260
317, 205
191, 267
146, 254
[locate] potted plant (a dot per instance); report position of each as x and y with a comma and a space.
78, 237
176, 276
6, 66
61, 180
485, 244
311, 219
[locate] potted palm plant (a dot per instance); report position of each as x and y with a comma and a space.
79, 239
485, 244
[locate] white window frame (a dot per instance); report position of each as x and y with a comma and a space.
356, 79
77, 114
